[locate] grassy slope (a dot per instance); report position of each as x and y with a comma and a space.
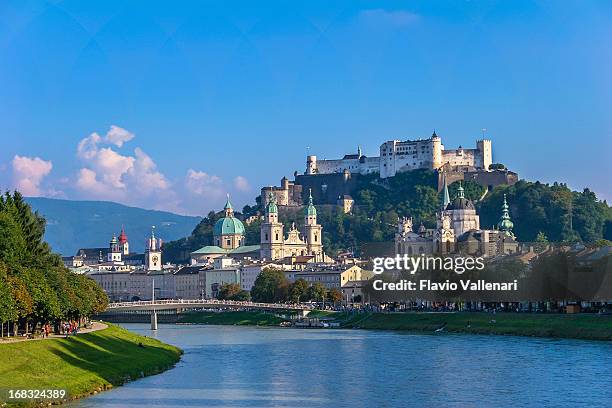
85, 363
232, 318
578, 326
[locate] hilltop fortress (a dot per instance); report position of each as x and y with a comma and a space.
332, 181
397, 156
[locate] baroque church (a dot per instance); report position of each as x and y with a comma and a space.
457, 230
229, 237
275, 246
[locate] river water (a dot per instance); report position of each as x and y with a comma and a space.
232, 366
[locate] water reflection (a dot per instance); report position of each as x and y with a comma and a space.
228, 366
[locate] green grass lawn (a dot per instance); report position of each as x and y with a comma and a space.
578, 326
232, 318
84, 363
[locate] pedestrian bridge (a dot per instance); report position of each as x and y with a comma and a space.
178, 304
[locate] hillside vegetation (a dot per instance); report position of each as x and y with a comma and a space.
543, 211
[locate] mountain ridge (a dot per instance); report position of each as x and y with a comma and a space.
74, 224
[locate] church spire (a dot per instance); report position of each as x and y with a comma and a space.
310, 215
445, 196
505, 223
229, 210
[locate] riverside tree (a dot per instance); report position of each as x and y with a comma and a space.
35, 287
271, 286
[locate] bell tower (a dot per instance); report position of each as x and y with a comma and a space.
272, 235
124, 245
153, 260
313, 232
114, 253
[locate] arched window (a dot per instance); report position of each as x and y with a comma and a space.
266, 236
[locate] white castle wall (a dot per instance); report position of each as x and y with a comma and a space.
397, 156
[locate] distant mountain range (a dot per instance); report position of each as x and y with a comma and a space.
80, 224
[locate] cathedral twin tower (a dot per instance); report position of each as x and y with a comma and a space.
274, 245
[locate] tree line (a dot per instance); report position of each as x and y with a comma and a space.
272, 286
35, 286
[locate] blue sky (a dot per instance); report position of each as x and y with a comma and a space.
173, 104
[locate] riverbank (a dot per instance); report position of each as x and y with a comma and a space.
84, 364
239, 318
576, 326
573, 326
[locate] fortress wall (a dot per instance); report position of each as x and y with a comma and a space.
326, 187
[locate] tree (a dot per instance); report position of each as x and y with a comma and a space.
316, 292
497, 166
242, 296
228, 291
271, 286
298, 290
35, 287
334, 295
541, 242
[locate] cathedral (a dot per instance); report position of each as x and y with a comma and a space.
457, 230
274, 245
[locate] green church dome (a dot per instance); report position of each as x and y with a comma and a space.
228, 226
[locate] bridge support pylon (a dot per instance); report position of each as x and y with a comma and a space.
153, 320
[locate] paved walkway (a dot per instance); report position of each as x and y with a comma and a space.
94, 327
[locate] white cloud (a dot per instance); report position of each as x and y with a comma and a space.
242, 184
88, 147
388, 18
87, 181
203, 184
131, 178
118, 136
144, 171
28, 173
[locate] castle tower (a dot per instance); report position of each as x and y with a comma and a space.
114, 254
272, 236
505, 223
485, 154
313, 232
436, 151
311, 165
153, 261
124, 245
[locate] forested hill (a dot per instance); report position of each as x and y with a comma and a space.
80, 224
552, 212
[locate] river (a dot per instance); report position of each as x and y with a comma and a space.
232, 366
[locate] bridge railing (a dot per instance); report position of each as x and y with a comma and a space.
205, 302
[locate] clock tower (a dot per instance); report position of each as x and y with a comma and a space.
153, 261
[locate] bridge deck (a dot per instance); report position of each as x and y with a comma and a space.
191, 303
